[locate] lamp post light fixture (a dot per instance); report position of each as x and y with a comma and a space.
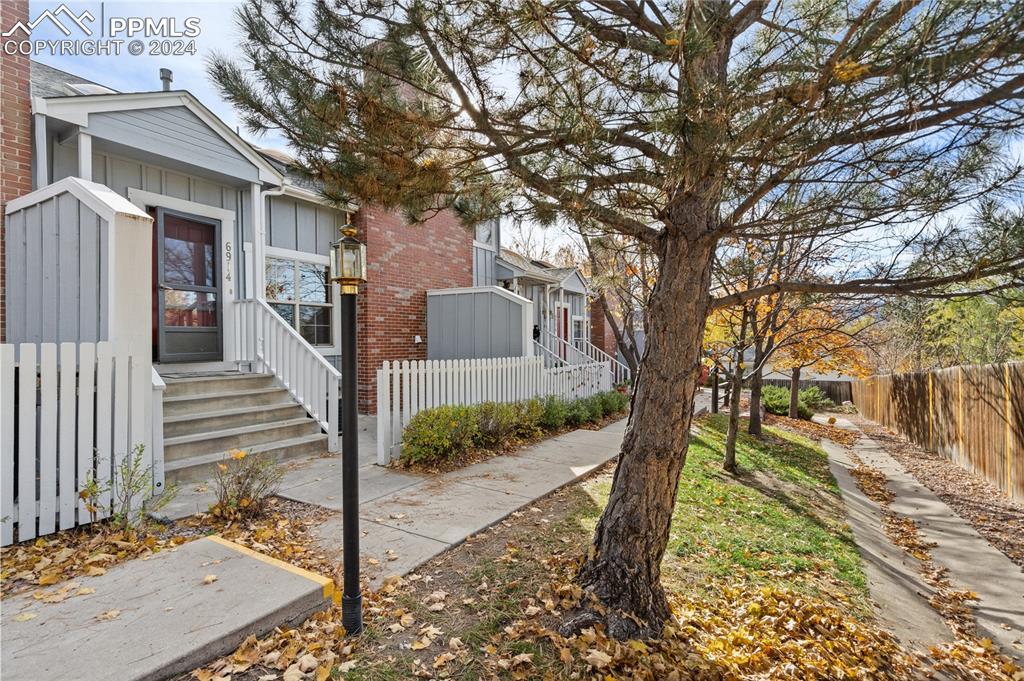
348, 269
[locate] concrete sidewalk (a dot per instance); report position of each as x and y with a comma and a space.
896, 584
151, 619
406, 527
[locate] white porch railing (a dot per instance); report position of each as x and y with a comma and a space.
80, 409
620, 372
404, 389
265, 339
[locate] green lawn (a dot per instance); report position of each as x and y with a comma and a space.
778, 524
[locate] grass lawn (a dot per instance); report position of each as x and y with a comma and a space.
761, 570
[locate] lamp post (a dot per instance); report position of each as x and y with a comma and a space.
348, 269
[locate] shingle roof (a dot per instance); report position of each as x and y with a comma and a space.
48, 81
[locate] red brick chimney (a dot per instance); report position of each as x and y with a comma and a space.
15, 133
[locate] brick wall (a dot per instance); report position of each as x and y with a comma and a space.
404, 261
15, 133
601, 333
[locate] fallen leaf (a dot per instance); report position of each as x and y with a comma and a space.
209, 579
24, 617
597, 658
109, 615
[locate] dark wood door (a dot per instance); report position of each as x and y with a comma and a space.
187, 291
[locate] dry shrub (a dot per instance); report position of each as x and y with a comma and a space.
243, 484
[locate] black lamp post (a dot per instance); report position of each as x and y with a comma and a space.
348, 269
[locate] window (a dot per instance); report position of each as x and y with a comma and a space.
300, 292
485, 233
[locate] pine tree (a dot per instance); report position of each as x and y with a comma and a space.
677, 124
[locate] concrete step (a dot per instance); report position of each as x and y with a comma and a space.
242, 437
203, 466
207, 421
217, 383
220, 401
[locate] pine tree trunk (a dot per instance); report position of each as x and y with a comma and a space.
794, 394
623, 569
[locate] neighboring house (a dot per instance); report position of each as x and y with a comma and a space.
240, 246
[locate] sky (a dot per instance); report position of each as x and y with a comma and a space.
129, 73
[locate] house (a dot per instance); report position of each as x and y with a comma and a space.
142, 218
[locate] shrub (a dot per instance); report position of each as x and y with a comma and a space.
815, 398
131, 491
439, 434
577, 413
555, 413
528, 419
614, 401
776, 401
595, 407
243, 483
496, 422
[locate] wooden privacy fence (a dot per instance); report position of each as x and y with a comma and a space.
406, 388
66, 413
837, 391
972, 415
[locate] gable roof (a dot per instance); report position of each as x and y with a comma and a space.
54, 95
540, 269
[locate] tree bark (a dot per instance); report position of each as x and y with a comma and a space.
623, 568
756, 381
729, 463
794, 394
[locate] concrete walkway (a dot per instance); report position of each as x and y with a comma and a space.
895, 582
425, 516
151, 619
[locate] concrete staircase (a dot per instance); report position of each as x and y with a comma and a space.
206, 416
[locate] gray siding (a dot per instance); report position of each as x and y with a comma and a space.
484, 270
174, 132
302, 226
120, 174
473, 325
56, 273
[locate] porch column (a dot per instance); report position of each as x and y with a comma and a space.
259, 241
41, 173
85, 156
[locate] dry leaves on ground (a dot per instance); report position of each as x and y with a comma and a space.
815, 431
968, 657
85, 552
997, 518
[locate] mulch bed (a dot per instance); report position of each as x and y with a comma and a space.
997, 518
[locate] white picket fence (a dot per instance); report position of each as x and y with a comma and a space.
406, 388
75, 409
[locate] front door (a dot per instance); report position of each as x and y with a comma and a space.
187, 294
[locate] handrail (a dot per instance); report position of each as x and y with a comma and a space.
621, 371
579, 357
550, 358
266, 338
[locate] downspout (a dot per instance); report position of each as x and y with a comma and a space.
259, 235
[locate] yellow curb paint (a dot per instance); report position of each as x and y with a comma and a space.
327, 584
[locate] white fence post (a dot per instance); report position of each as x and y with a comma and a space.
7, 389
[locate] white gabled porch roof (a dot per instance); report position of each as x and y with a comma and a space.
76, 110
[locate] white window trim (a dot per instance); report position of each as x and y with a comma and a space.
315, 258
